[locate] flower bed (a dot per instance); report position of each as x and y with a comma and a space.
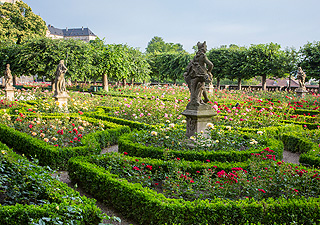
60, 131
57, 156
147, 206
147, 144
29, 195
262, 177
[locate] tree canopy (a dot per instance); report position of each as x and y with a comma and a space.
18, 23
158, 45
310, 62
41, 56
265, 60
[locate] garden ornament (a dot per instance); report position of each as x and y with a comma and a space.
301, 76
198, 72
8, 77
60, 82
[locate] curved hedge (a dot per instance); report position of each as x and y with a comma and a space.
149, 207
135, 149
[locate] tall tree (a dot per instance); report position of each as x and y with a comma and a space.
290, 62
18, 23
99, 61
265, 60
139, 67
310, 61
220, 59
117, 64
41, 56
158, 45
237, 66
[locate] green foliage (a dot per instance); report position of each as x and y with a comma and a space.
229, 63
305, 144
131, 124
56, 157
169, 65
18, 23
265, 60
311, 59
41, 56
158, 45
149, 207
32, 196
126, 144
296, 143
118, 61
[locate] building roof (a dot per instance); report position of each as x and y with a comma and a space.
55, 31
77, 32
283, 82
70, 32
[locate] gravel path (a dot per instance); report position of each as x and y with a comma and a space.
110, 211
291, 157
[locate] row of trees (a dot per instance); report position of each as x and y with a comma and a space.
93, 61
242, 63
97, 60
24, 47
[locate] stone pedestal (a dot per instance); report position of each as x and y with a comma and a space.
197, 120
62, 101
301, 92
9, 93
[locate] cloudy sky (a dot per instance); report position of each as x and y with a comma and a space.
290, 23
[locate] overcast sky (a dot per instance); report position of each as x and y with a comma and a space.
290, 23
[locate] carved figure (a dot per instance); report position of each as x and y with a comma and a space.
8, 77
301, 76
60, 82
198, 72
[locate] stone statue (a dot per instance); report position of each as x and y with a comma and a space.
301, 76
60, 82
8, 77
198, 72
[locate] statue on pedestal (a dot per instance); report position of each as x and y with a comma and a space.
198, 73
198, 113
302, 90
8, 77
60, 82
301, 76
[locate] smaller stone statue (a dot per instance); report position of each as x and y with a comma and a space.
60, 82
198, 72
8, 77
301, 76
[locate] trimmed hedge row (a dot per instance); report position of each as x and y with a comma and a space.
57, 157
166, 165
126, 144
130, 96
65, 206
132, 124
150, 207
306, 112
310, 126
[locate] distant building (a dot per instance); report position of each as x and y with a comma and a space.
84, 34
10, 1
284, 82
